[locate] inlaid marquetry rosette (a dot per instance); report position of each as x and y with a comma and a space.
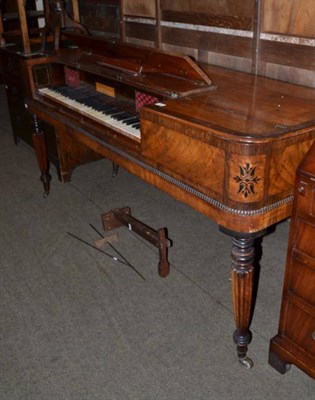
246, 178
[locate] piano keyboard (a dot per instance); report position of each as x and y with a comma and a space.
106, 110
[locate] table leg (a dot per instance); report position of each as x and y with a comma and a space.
243, 255
39, 142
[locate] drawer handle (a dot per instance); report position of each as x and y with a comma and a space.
301, 190
313, 335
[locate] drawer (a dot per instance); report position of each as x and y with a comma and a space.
305, 198
304, 239
302, 278
300, 328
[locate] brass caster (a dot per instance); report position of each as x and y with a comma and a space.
246, 362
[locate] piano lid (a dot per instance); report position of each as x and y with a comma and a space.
164, 73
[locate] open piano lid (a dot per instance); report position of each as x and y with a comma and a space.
165, 73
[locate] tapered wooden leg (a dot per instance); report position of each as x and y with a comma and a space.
41, 154
243, 255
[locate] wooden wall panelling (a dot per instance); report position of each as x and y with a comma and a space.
287, 41
230, 13
295, 55
139, 8
136, 32
141, 22
208, 41
273, 38
221, 31
101, 17
289, 17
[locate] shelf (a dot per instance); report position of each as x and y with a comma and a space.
15, 15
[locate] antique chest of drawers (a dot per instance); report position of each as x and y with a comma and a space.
295, 341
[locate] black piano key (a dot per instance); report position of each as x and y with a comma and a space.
115, 114
123, 116
131, 121
108, 110
97, 105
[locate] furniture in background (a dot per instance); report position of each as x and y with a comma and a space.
22, 39
295, 341
19, 23
59, 19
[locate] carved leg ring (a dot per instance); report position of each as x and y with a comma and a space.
242, 285
41, 154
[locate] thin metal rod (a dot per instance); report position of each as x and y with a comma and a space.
96, 248
256, 37
158, 35
117, 251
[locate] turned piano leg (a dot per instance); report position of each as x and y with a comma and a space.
243, 255
39, 142
244, 260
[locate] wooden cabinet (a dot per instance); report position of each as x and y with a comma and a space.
19, 23
295, 341
22, 128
